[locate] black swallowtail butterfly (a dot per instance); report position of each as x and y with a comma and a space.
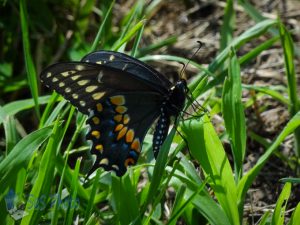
122, 97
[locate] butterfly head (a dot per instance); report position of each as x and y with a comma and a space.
177, 97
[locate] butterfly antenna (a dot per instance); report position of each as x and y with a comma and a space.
193, 56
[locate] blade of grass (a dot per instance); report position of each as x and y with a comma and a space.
14, 107
74, 188
30, 70
132, 32
233, 113
288, 50
90, 205
207, 148
228, 25
278, 214
20, 155
248, 178
295, 218
101, 28
254, 32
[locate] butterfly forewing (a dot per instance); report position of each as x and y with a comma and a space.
85, 84
131, 65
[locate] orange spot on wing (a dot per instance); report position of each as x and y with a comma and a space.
119, 127
121, 109
118, 118
117, 100
129, 136
136, 145
129, 161
122, 133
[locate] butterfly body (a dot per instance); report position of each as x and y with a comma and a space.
122, 97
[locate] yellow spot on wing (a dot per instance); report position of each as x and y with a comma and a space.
104, 161
79, 67
99, 107
82, 82
129, 136
136, 145
96, 120
111, 58
91, 88
54, 79
96, 134
115, 167
49, 74
67, 90
122, 133
98, 95
82, 103
75, 77
61, 84
121, 109
75, 96
117, 100
99, 148
126, 119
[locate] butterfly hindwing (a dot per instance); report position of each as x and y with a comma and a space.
118, 126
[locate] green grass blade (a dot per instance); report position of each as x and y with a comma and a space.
42, 185
207, 148
269, 91
289, 56
228, 25
159, 168
295, 218
20, 156
254, 32
124, 199
265, 218
278, 214
90, 205
248, 178
74, 187
233, 113
14, 107
132, 32
30, 70
176, 212
101, 28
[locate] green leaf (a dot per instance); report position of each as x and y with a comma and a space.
233, 113
295, 216
278, 215
248, 178
207, 148
30, 70
20, 155
42, 185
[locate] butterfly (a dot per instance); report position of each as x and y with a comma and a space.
122, 97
